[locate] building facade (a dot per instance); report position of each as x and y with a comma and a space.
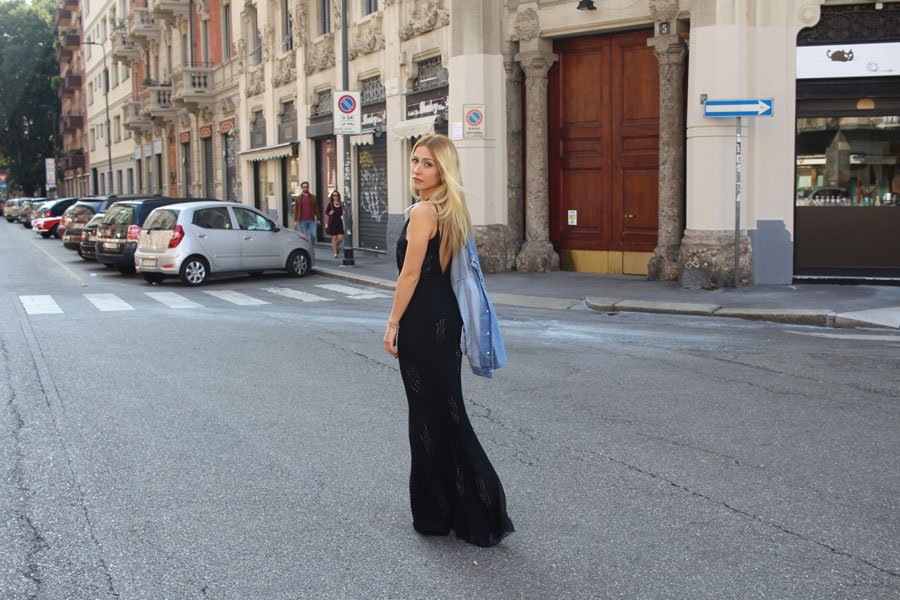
583, 134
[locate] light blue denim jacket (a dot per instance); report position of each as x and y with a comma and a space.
481, 339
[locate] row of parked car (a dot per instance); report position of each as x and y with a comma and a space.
161, 237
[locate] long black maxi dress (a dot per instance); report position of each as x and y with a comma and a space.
452, 484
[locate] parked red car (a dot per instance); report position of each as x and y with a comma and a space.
53, 210
46, 226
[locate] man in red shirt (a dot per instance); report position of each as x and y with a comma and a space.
306, 212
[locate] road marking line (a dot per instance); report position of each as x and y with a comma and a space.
236, 298
40, 305
850, 336
108, 302
173, 300
354, 293
296, 294
68, 271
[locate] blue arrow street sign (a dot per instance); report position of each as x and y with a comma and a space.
753, 107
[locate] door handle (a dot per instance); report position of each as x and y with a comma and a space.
629, 216
201, 235
248, 237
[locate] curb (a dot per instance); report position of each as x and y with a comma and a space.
790, 316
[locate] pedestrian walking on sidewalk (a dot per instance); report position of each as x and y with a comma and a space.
452, 483
306, 212
334, 221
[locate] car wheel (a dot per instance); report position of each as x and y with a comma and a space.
298, 263
45, 234
126, 269
55, 231
80, 253
154, 277
194, 271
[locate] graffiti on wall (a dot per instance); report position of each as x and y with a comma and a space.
372, 187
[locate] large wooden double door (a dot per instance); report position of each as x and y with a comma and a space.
604, 152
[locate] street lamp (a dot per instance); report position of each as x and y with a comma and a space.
106, 99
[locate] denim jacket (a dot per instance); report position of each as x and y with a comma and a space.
481, 339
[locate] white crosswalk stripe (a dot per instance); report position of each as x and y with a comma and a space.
40, 305
173, 300
352, 292
108, 302
235, 297
296, 294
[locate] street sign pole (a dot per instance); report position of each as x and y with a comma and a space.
737, 207
752, 107
348, 261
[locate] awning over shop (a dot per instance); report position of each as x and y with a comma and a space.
366, 139
415, 127
268, 153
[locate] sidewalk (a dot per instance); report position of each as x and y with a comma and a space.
809, 304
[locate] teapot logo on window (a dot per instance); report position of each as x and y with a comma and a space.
840, 55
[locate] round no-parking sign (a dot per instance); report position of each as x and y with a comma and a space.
347, 113
473, 121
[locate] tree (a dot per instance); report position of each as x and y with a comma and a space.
29, 106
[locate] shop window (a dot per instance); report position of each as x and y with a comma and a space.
848, 161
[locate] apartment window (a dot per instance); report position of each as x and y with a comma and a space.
119, 181
372, 91
115, 76
370, 6
127, 73
226, 31
93, 139
287, 28
130, 180
90, 92
325, 105
106, 81
258, 130
204, 42
431, 75
117, 130
103, 37
324, 17
185, 50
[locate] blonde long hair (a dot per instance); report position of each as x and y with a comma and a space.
449, 198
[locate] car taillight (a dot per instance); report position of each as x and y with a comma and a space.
134, 233
177, 236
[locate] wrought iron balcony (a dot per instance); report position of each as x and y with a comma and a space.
193, 86
156, 102
123, 48
170, 10
142, 27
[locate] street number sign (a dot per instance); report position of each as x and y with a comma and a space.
751, 107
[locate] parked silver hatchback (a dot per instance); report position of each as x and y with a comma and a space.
193, 240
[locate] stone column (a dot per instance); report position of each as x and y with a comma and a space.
671, 51
515, 208
537, 252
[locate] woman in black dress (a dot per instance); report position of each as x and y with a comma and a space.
334, 221
452, 483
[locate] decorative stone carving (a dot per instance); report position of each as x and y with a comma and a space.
528, 25
241, 55
389, 2
228, 106
321, 55
285, 70
185, 119
663, 10
301, 18
256, 81
368, 37
203, 10
336, 14
424, 16
268, 49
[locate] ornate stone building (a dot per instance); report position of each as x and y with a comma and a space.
582, 133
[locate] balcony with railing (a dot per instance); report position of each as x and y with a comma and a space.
63, 17
68, 4
194, 86
170, 10
123, 48
74, 160
134, 117
142, 27
156, 102
70, 39
71, 83
63, 54
72, 122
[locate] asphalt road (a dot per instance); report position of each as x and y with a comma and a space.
253, 445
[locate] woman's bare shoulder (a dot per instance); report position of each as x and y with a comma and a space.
423, 212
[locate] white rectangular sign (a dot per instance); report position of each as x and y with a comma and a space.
347, 113
50, 170
848, 60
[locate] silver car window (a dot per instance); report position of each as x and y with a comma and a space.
212, 218
249, 220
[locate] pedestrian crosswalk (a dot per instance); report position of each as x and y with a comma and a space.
193, 299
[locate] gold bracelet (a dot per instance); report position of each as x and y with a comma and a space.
393, 324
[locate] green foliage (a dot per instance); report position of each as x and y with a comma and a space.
29, 106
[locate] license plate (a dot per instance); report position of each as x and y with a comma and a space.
110, 246
148, 262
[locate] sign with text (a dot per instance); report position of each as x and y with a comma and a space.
473, 121
50, 170
347, 113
